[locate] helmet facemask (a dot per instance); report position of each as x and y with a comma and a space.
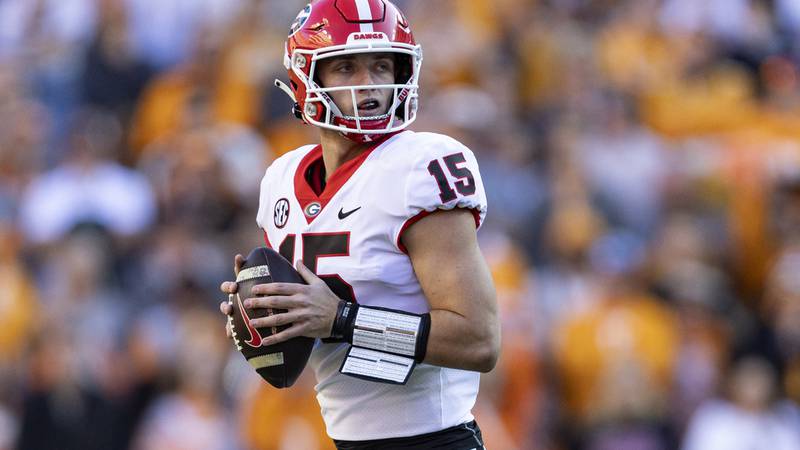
319, 108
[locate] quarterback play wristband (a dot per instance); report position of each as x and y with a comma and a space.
383, 329
380, 367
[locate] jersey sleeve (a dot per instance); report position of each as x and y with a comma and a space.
445, 176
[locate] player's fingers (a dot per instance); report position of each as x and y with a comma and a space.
309, 276
289, 333
277, 289
238, 260
275, 320
226, 308
273, 301
228, 287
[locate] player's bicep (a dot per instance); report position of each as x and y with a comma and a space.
451, 270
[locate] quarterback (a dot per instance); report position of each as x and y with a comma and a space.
381, 223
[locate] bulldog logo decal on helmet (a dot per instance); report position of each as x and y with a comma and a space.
300, 20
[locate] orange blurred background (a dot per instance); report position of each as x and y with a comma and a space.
641, 159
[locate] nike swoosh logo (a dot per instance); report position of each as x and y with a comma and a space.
255, 337
343, 215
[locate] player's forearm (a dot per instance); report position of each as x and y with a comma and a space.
463, 343
464, 329
442, 337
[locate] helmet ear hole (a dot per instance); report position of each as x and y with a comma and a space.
403, 71
400, 112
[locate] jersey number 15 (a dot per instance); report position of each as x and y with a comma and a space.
322, 245
465, 184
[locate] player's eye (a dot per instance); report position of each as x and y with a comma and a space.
384, 66
344, 67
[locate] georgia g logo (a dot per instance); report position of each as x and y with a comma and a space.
281, 213
300, 20
313, 209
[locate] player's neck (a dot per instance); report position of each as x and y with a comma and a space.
337, 150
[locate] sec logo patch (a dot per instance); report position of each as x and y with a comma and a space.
281, 213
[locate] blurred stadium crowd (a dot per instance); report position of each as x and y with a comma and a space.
642, 161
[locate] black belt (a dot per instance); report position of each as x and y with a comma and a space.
466, 436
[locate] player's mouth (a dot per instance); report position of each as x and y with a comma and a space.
369, 107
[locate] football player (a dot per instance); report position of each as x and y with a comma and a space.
381, 223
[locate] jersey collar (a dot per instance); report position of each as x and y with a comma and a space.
313, 204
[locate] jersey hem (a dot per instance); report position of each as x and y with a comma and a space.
425, 213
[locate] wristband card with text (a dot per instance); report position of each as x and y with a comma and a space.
386, 330
377, 366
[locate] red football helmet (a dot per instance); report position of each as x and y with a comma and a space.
331, 28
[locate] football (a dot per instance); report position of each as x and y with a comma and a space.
280, 364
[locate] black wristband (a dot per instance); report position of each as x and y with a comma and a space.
342, 329
422, 338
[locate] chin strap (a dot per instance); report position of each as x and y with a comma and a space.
288, 91
285, 88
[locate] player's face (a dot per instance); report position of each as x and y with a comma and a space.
356, 70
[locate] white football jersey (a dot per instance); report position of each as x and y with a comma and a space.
350, 237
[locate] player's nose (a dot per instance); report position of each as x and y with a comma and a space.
365, 77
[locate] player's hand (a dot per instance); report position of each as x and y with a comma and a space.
229, 288
311, 308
